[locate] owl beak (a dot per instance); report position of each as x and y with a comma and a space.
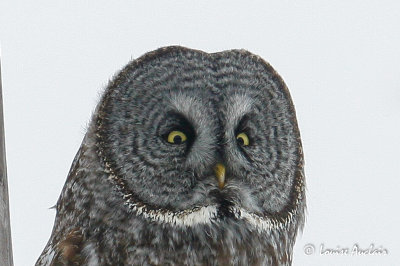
219, 170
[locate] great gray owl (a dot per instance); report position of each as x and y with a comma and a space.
191, 158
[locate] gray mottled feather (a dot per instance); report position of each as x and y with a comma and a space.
131, 198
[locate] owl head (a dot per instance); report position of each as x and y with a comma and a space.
189, 137
191, 158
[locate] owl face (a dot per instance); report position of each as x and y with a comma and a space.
182, 131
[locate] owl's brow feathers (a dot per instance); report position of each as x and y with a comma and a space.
197, 215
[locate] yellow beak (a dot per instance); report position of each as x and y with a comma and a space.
220, 174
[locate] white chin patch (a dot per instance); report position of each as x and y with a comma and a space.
207, 215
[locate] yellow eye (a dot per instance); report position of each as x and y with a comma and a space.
242, 139
176, 137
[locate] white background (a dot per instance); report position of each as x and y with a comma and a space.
341, 62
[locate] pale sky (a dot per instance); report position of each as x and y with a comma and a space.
340, 60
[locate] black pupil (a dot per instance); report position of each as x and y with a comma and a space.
177, 139
241, 141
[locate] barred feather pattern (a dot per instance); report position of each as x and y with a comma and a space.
132, 198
